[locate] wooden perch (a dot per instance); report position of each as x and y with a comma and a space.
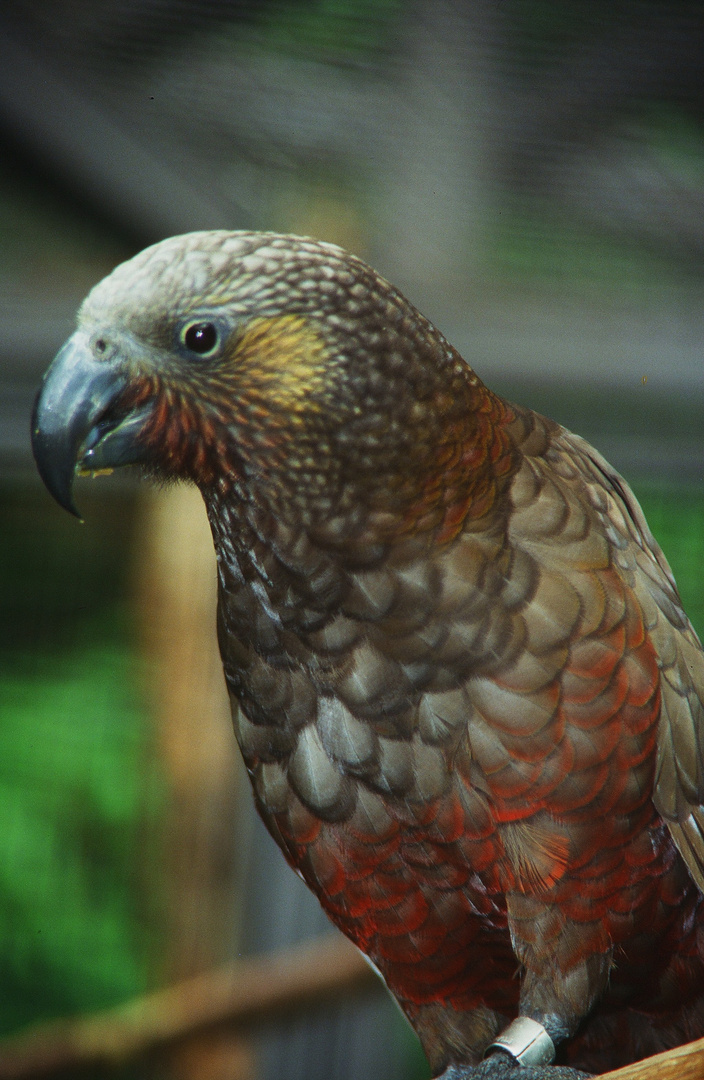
682, 1063
244, 993
239, 994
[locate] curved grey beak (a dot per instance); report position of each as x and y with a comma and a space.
77, 422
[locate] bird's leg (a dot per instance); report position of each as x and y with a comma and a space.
566, 968
522, 1051
560, 985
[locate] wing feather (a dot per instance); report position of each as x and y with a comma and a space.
679, 778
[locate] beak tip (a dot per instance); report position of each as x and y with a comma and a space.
72, 509
55, 470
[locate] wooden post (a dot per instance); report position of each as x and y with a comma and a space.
176, 601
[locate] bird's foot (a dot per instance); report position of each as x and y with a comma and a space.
501, 1066
522, 1051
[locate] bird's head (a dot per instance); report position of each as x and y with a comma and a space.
267, 363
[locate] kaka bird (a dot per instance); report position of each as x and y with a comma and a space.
462, 681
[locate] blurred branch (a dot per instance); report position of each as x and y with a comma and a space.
245, 993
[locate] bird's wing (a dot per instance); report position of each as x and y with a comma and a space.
679, 775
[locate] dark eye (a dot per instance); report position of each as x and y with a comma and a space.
200, 337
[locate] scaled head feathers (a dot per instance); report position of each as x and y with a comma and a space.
273, 364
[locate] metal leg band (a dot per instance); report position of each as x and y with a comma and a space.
525, 1040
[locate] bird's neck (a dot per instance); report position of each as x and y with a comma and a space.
372, 478
287, 567
299, 583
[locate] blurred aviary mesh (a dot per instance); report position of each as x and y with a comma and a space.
531, 174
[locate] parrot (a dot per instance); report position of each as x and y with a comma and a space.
466, 692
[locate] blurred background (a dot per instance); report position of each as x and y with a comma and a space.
531, 174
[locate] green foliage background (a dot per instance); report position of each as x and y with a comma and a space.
80, 795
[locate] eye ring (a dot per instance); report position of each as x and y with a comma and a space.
201, 338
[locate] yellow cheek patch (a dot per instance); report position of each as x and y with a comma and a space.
281, 359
